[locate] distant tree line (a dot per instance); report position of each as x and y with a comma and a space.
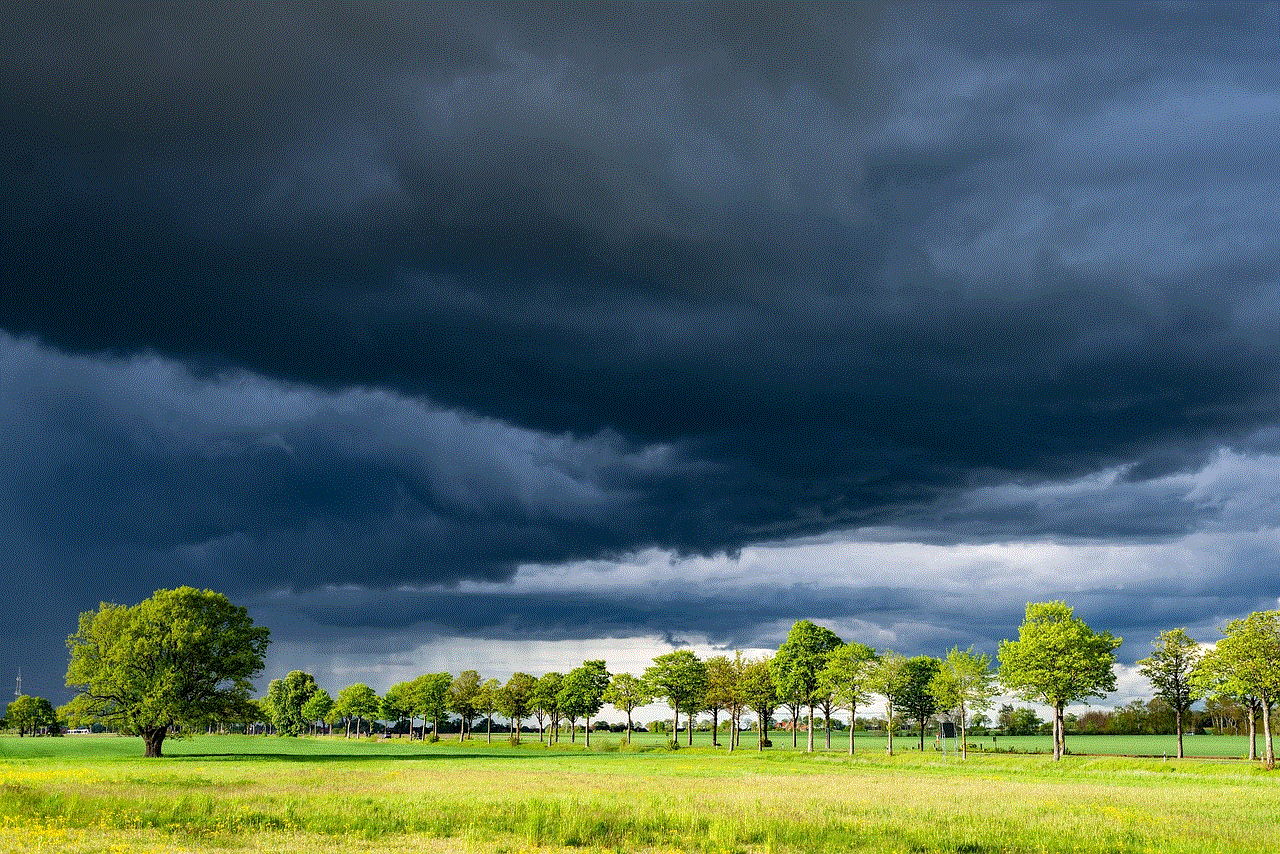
182, 660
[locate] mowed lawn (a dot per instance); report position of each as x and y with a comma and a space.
235, 793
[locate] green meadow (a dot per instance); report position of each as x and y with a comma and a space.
250, 794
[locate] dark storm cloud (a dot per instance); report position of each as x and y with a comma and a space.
421, 293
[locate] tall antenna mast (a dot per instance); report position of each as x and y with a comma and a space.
17, 690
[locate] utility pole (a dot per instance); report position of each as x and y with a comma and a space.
17, 690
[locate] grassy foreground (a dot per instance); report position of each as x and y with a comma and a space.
233, 794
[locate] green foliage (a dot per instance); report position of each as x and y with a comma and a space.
318, 707
546, 698
626, 693
917, 701
891, 680
462, 698
285, 700
429, 696
964, 683
582, 694
357, 702
1246, 663
1169, 669
516, 699
798, 666
29, 714
1057, 660
681, 678
759, 693
182, 657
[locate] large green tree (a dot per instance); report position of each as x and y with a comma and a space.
181, 657
397, 704
847, 677
582, 693
964, 682
1169, 669
1057, 659
285, 699
626, 693
798, 666
1245, 663
679, 677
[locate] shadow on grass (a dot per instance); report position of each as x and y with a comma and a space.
379, 757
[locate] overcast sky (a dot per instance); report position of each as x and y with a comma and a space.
502, 337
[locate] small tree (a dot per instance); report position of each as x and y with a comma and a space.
317, 707
799, 664
546, 701
360, 702
582, 693
722, 684
285, 699
626, 693
31, 714
964, 682
515, 699
397, 704
760, 694
487, 704
431, 698
1169, 670
890, 680
1056, 660
847, 677
464, 694
916, 702
680, 677
182, 657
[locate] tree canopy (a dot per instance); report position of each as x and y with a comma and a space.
847, 675
1057, 660
1246, 663
681, 678
582, 693
181, 657
798, 666
964, 683
1169, 669
285, 700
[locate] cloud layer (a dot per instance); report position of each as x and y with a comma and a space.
384, 316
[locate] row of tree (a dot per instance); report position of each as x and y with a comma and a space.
185, 658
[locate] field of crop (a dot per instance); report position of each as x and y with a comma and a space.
249, 794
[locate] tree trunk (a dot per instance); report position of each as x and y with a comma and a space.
488, 739
921, 722
889, 728
827, 718
809, 739
587, 732
1253, 732
853, 724
1177, 722
628, 726
688, 719
1269, 755
153, 738
675, 723
715, 729
763, 727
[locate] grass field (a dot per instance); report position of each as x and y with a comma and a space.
235, 793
